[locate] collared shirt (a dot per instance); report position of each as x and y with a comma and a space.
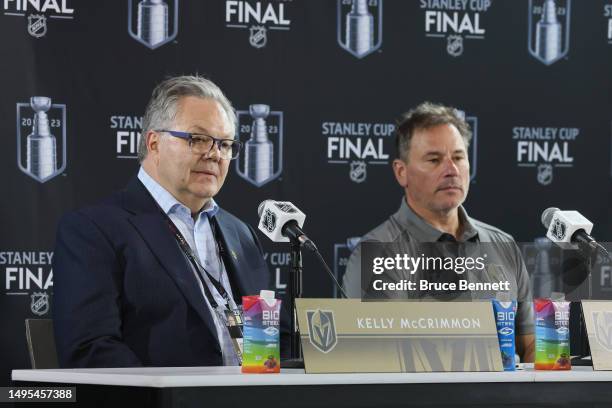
422, 231
199, 235
406, 229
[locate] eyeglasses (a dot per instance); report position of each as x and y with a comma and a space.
202, 144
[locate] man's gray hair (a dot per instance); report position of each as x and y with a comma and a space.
162, 107
426, 116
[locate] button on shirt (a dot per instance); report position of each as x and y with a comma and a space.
199, 235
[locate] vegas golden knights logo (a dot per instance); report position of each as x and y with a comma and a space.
322, 330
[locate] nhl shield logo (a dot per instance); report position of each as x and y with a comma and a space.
41, 138
358, 171
360, 25
545, 174
261, 130
153, 23
558, 229
322, 330
269, 221
549, 29
454, 45
40, 303
37, 25
603, 328
258, 36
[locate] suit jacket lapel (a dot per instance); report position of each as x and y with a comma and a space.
149, 220
236, 267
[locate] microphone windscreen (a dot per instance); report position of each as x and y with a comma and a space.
547, 216
261, 207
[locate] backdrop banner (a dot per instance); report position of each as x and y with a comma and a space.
325, 80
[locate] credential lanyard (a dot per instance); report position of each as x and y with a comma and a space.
196, 264
232, 318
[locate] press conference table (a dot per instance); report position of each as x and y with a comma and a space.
227, 387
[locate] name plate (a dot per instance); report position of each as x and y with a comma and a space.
350, 336
598, 319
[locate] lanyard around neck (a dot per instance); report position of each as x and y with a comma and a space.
188, 252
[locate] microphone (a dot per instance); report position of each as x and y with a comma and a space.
569, 227
281, 221
566, 228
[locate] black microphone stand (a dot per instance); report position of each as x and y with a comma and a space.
298, 240
584, 359
295, 284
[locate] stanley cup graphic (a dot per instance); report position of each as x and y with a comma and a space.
548, 34
152, 22
359, 28
259, 150
41, 153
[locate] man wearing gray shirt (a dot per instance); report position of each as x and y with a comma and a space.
434, 170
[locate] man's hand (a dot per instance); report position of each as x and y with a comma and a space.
525, 346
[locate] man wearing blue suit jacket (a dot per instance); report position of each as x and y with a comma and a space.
126, 293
